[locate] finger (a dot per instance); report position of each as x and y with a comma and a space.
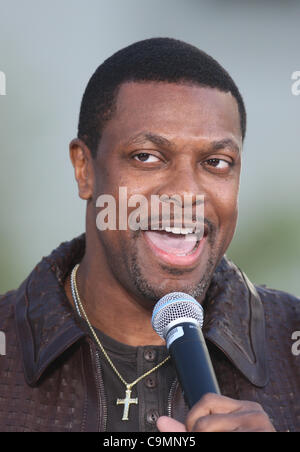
234, 422
212, 404
167, 424
216, 423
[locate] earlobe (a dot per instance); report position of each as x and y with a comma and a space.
81, 159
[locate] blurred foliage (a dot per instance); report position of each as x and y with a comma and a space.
268, 249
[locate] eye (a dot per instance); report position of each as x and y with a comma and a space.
219, 164
144, 157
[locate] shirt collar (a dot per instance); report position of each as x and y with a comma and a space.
47, 325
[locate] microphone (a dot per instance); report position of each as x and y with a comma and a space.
178, 318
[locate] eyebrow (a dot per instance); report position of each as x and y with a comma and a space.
226, 143
159, 140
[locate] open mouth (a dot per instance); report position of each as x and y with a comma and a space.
177, 246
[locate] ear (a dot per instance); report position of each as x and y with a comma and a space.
82, 162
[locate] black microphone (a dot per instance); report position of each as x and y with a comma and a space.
178, 318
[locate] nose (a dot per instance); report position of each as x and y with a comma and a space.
183, 181
182, 190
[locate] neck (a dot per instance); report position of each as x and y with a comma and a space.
109, 307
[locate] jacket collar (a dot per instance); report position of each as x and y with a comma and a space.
47, 325
235, 322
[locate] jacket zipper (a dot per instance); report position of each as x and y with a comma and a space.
170, 397
100, 389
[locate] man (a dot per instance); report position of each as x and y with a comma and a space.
159, 117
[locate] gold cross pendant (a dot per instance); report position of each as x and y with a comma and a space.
127, 402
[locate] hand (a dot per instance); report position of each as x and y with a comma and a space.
216, 413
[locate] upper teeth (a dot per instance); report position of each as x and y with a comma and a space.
179, 230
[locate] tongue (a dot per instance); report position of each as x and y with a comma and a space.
172, 243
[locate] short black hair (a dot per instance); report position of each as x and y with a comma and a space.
155, 59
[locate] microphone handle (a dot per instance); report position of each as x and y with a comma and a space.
193, 365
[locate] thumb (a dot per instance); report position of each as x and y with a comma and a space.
167, 424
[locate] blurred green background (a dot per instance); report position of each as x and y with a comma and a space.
48, 51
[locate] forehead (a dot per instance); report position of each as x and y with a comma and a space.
174, 110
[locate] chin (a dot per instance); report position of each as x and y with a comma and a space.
154, 289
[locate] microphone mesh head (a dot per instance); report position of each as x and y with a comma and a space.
174, 306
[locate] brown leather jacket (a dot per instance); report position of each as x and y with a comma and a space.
50, 376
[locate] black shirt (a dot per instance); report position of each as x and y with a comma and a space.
152, 391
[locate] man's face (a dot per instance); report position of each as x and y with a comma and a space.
170, 139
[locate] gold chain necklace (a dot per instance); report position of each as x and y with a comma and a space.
127, 401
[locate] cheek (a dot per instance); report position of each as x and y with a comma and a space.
224, 203
229, 207
228, 221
